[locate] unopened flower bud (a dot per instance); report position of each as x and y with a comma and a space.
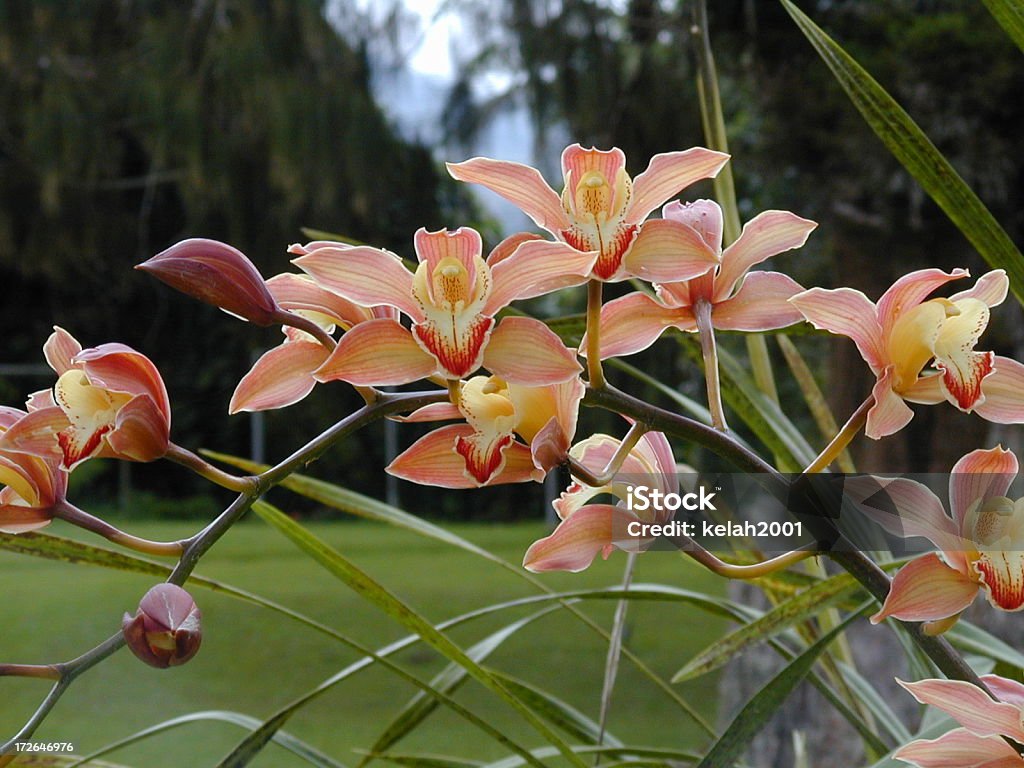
217, 274
166, 631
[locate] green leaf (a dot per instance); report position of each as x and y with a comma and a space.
974, 639
915, 151
557, 712
623, 751
730, 746
810, 602
296, 746
372, 591
420, 707
1010, 15
881, 711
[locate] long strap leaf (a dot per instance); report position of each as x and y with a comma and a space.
755, 715
1010, 15
915, 151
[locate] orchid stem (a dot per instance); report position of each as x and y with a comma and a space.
72, 514
752, 571
709, 350
843, 437
201, 467
38, 671
606, 475
594, 370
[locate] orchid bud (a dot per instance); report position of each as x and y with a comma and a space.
217, 274
166, 631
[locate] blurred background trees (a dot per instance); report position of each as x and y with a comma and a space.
127, 125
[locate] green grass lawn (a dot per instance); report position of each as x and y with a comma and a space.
254, 660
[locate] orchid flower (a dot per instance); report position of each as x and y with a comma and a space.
737, 301
484, 451
602, 209
452, 299
109, 401
33, 485
284, 375
987, 723
982, 544
905, 330
586, 529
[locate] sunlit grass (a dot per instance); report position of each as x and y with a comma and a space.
253, 661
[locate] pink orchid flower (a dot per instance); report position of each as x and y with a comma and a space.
980, 742
602, 209
982, 544
905, 331
738, 301
452, 299
284, 375
33, 485
109, 401
587, 529
484, 451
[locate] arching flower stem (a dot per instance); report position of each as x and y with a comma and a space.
203, 468
607, 474
842, 439
594, 370
77, 517
709, 350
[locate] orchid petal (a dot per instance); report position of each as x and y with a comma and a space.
667, 174
890, 413
576, 541
761, 304
1002, 577
970, 706
432, 412
509, 245
281, 377
367, 276
60, 349
926, 589
918, 511
1004, 689
302, 293
525, 351
962, 368
140, 431
927, 390
846, 312
633, 322
36, 433
958, 748
767, 234
909, 291
537, 267
1003, 388
13, 475
433, 460
119, 368
666, 251
9, 415
520, 184
978, 476
377, 353
463, 244
16, 519
990, 288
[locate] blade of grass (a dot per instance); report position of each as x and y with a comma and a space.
1010, 15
